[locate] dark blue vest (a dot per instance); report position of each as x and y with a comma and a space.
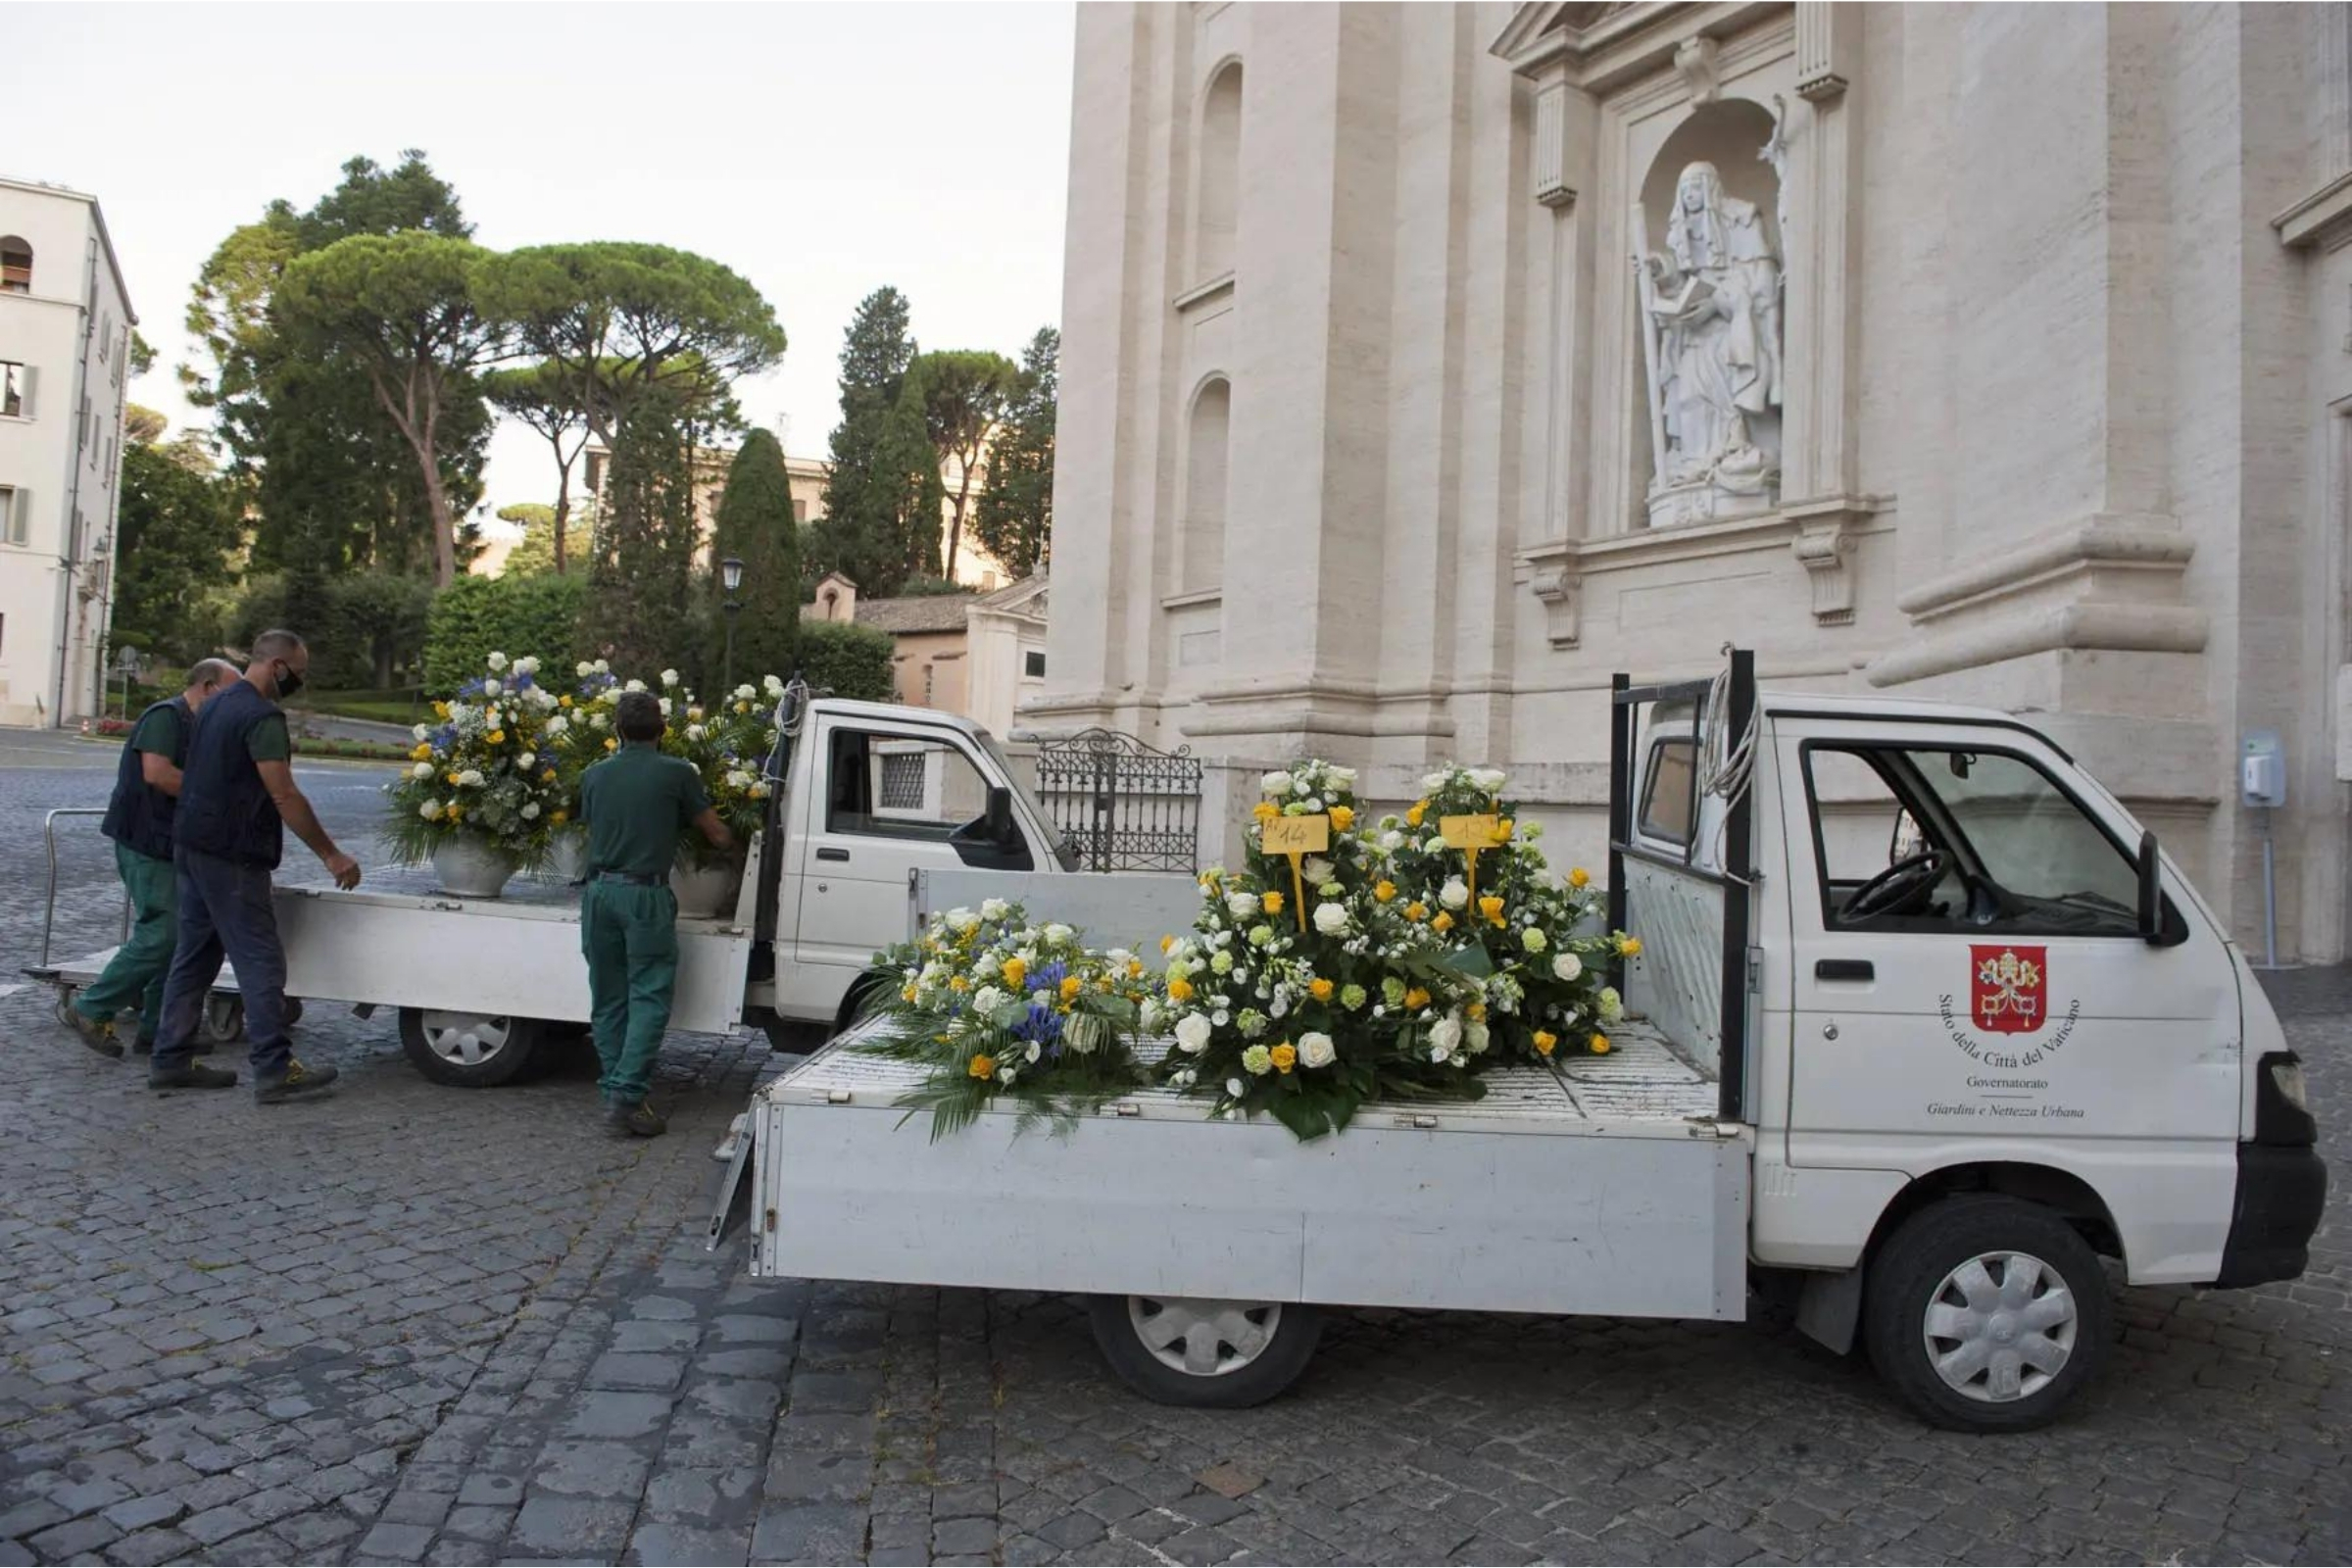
138, 815
223, 809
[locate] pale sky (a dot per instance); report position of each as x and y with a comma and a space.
820, 149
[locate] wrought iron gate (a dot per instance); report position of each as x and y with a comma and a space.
1124, 805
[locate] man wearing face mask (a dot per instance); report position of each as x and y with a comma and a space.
237, 795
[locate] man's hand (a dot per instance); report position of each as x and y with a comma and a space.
343, 868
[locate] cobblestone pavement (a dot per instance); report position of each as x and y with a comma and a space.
412, 1324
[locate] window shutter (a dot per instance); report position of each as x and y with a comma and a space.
28, 386
19, 526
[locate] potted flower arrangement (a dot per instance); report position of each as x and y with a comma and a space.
481, 795
576, 736
1371, 965
729, 744
999, 1008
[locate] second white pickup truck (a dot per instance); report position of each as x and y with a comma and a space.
1932, 1027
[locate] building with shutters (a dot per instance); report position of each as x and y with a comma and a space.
1424, 364
65, 348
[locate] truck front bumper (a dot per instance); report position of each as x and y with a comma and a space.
2281, 1193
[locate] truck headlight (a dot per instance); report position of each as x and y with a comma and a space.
2287, 1077
2282, 1117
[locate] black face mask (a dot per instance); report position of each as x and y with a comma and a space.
288, 682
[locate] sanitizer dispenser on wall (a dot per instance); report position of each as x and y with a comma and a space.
2262, 769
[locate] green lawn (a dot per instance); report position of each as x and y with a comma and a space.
396, 706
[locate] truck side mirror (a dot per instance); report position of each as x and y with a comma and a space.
999, 817
2151, 890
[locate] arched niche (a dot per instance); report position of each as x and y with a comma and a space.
1200, 564
1217, 179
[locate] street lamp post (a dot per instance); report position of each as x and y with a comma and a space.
730, 578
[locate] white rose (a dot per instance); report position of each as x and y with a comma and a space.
1476, 1035
1566, 967
1487, 779
430, 809
1276, 783
1191, 1034
602, 667
1150, 1018
422, 770
531, 811
1340, 778
994, 909
1444, 1038
632, 686
1058, 933
470, 779
961, 921
758, 790
1434, 844
490, 719
773, 686
1392, 841
528, 665
1183, 1079
695, 732
1315, 1049
558, 724
1433, 782
491, 688
1240, 905
526, 759
1007, 1075
422, 732
1235, 1088
1331, 918
1317, 870
600, 720
988, 998
664, 707
1454, 894
1533, 940
583, 669
744, 693
670, 677
737, 779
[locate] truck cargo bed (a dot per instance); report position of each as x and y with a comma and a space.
1603, 1187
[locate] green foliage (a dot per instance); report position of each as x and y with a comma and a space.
363, 628
847, 659
142, 352
754, 525
929, 588
967, 393
141, 424
861, 533
178, 539
1014, 519
540, 399
614, 323
400, 307
475, 616
644, 543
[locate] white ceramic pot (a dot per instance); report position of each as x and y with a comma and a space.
705, 893
469, 869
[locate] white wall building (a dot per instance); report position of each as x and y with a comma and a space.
64, 350
1423, 365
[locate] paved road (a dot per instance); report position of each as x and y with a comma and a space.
409, 1324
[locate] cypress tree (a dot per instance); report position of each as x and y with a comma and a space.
754, 525
861, 533
637, 608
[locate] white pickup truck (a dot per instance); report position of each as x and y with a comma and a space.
1928, 1026
870, 799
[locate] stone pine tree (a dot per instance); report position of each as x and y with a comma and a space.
638, 600
1014, 519
967, 393
860, 533
754, 525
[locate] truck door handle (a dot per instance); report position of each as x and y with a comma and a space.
1845, 969
832, 854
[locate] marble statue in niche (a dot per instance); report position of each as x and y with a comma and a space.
1711, 342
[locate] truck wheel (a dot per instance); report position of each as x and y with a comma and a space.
1195, 1351
467, 1051
1985, 1313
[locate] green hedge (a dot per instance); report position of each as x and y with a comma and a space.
846, 659
475, 616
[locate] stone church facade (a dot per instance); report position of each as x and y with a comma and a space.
1424, 364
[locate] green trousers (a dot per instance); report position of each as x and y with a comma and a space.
629, 935
134, 976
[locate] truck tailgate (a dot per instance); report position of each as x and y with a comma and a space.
1606, 1189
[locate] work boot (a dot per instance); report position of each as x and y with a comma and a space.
99, 1037
192, 1076
298, 1080
624, 1119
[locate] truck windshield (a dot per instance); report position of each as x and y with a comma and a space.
1066, 854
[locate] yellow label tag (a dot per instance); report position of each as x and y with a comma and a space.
1298, 835
1469, 832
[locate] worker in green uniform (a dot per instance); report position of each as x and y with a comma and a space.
138, 818
635, 803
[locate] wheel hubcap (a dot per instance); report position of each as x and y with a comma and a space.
464, 1039
2000, 1326
1203, 1339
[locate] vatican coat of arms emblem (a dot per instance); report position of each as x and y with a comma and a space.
2006, 988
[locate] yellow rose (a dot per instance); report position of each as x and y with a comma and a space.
1579, 877
498, 737
1384, 890
422, 752
1343, 817
440, 709
1502, 831
1015, 972
547, 775
456, 812
1630, 947
1416, 910
958, 983
1071, 984
1491, 907
1167, 942
1415, 999
1477, 1011
1180, 990
563, 701
1443, 922
695, 715
1601, 1044
1271, 902
450, 777
982, 1066
1286, 1056
612, 745
1420, 809
1546, 1042
1320, 990
1265, 811
743, 708
906, 991
558, 819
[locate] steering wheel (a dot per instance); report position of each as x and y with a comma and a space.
1896, 886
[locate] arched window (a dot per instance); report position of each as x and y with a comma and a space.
16, 265
1204, 462
1217, 183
